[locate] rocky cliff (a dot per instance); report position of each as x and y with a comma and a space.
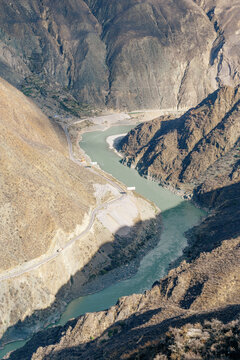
134, 54
47, 49
197, 154
225, 50
202, 146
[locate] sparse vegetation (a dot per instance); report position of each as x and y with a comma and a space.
210, 340
58, 97
110, 333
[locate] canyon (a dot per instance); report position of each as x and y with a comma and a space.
200, 294
46, 202
66, 224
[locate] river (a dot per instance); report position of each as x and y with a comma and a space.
178, 216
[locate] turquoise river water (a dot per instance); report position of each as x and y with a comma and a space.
178, 216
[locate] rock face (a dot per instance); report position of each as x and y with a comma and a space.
225, 50
47, 49
134, 54
143, 39
191, 149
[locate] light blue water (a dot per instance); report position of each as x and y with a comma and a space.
95, 145
177, 216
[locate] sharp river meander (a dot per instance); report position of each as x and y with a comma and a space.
178, 215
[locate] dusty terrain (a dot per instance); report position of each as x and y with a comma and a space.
46, 202
189, 313
225, 50
38, 182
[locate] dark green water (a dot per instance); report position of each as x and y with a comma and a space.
177, 216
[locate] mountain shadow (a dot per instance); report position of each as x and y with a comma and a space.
223, 221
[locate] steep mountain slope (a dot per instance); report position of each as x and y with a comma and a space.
192, 149
47, 48
176, 319
54, 235
204, 287
116, 54
143, 39
39, 194
45, 200
225, 49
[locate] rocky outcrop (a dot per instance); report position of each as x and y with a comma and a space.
202, 146
132, 55
225, 51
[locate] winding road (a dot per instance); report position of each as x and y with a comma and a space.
122, 191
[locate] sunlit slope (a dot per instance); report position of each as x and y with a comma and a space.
42, 192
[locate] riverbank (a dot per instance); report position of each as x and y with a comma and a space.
113, 142
185, 192
177, 216
126, 273
103, 258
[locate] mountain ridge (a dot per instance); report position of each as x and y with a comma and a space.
179, 152
104, 56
